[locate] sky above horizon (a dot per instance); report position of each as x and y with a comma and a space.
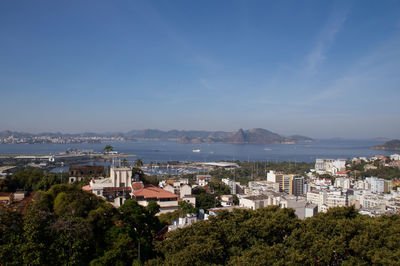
315, 68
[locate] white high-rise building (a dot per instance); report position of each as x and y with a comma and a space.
317, 197
342, 182
330, 166
377, 184
271, 176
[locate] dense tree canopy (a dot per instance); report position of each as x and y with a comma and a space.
219, 188
31, 180
66, 225
276, 236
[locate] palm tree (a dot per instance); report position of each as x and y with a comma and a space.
108, 148
138, 163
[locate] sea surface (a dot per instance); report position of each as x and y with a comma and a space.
172, 151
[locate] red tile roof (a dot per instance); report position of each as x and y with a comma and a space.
150, 191
87, 188
137, 185
106, 189
341, 173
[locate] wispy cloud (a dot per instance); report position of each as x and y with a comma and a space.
374, 71
154, 17
325, 40
205, 84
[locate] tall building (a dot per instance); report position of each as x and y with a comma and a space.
278, 178
306, 188
330, 166
387, 186
271, 176
287, 184
298, 186
377, 184
342, 182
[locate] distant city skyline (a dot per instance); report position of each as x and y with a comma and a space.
317, 68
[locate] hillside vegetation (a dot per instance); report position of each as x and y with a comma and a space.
66, 225
393, 145
274, 236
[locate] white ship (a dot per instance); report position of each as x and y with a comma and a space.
196, 150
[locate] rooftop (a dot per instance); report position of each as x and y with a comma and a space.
257, 197
150, 191
137, 185
87, 188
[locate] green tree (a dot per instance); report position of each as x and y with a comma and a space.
187, 207
138, 163
11, 240
144, 224
37, 234
108, 148
235, 200
205, 201
125, 163
72, 240
121, 247
101, 219
227, 235
219, 188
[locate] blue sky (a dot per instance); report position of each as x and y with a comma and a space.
317, 68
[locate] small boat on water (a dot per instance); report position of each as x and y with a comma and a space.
267, 149
197, 150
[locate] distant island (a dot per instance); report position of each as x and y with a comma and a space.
393, 145
251, 136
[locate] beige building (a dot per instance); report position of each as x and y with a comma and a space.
181, 189
335, 200
254, 202
115, 189
259, 187
317, 197
121, 176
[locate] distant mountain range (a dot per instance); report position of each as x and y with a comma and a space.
15, 134
393, 145
251, 136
